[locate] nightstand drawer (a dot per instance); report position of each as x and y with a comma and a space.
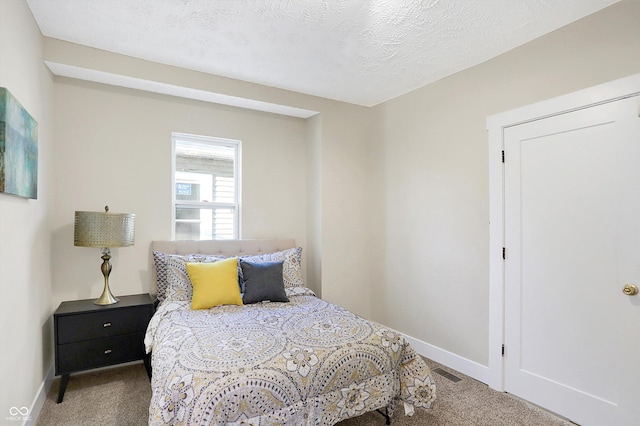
94, 325
100, 352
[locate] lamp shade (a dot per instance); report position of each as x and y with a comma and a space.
104, 229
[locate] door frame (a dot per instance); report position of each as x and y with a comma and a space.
600, 94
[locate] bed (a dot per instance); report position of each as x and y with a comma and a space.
272, 362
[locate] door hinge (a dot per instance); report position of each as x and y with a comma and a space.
504, 253
503, 350
503, 156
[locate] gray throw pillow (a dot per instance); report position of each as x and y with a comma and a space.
263, 282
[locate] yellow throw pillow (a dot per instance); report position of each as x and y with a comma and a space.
214, 283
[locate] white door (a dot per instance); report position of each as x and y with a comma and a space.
572, 238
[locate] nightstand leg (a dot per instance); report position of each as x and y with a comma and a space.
64, 380
147, 364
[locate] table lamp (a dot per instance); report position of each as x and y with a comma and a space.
104, 230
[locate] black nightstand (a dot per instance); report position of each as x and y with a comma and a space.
90, 336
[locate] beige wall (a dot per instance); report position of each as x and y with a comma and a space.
434, 174
314, 204
346, 208
326, 158
114, 147
25, 250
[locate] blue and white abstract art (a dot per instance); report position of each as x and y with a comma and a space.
18, 148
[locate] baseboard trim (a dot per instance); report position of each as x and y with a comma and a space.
39, 399
463, 365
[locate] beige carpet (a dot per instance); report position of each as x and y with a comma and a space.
120, 396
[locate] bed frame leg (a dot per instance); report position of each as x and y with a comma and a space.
386, 415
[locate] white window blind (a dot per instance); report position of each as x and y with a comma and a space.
206, 187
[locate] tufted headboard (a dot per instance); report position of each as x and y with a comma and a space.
220, 247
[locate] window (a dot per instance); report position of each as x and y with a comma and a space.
206, 188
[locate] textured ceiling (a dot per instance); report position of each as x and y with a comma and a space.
358, 51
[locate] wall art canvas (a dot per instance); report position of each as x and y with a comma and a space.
18, 148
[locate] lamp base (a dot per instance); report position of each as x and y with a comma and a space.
106, 298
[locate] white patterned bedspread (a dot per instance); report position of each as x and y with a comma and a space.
306, 362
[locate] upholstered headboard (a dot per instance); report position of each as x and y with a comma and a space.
219, 247
222, 247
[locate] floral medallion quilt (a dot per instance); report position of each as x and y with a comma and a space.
305, 362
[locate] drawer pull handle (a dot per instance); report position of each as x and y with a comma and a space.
108, 351
106, 324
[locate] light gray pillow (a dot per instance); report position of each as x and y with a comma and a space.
291, 268
171, 274
263, 282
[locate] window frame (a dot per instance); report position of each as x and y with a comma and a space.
237, 172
